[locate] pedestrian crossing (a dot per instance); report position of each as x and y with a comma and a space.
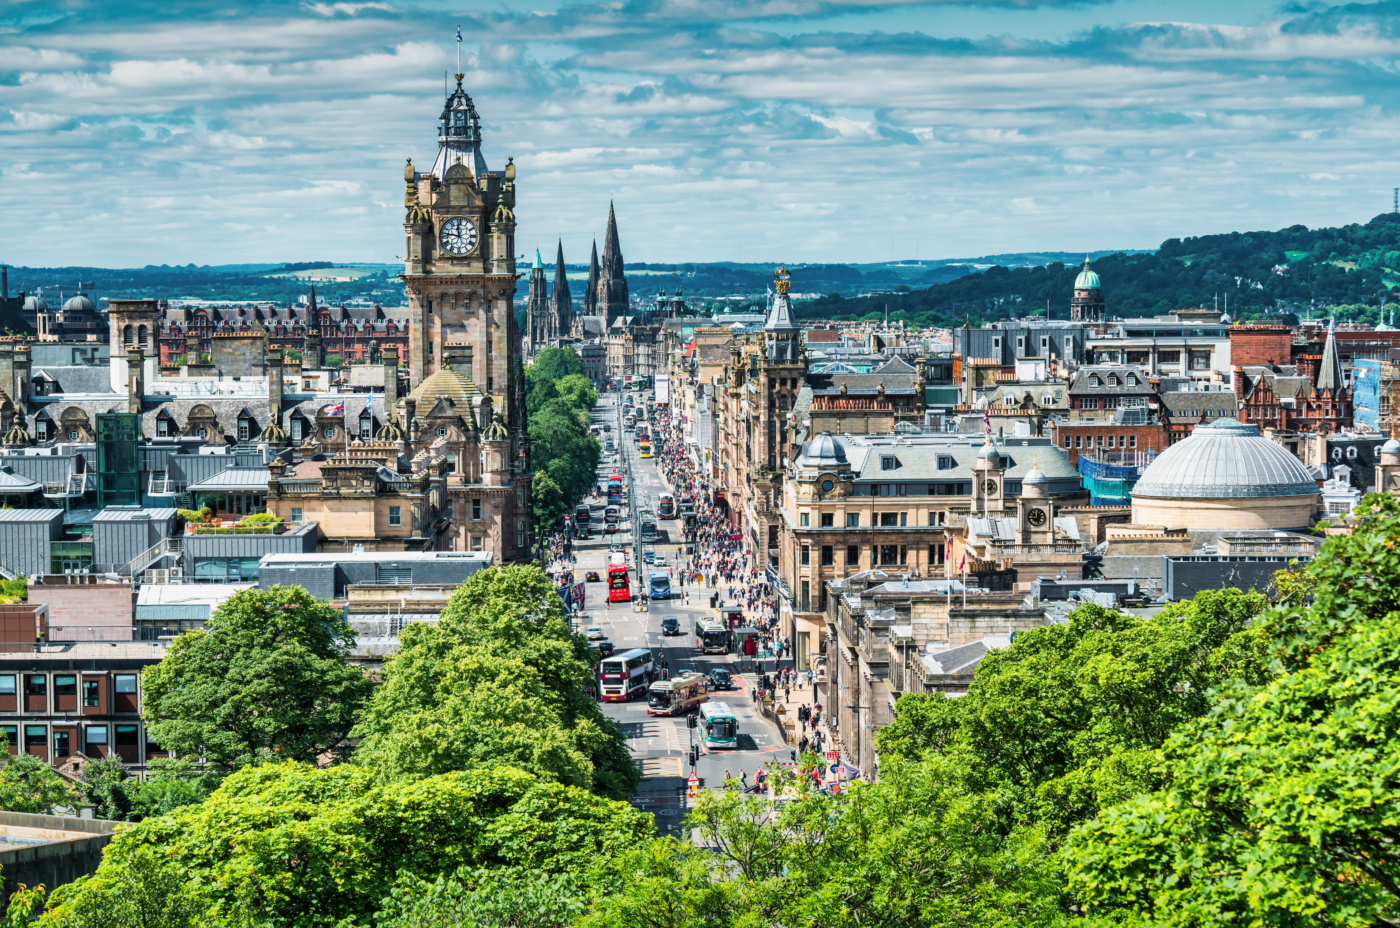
661, 766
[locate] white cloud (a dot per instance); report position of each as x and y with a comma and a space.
278, 135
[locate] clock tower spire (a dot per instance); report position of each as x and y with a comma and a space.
464, 348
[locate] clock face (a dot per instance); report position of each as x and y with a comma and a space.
989, 487
458, 236
1036, 517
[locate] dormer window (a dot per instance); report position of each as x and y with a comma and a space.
1093, 380
946, 462
1113, 380
366, 426
1132, 380
888, 462
244, 429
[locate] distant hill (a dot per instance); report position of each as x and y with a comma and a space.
1259, 273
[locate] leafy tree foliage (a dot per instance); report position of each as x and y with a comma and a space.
562, 446
1279, 806
293, 845
509, 897
913, 849
554, 364
268, 678
548, 500
497, 681
28, 784
169, 784
1068, 719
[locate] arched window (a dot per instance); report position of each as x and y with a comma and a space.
128, 336
143, 336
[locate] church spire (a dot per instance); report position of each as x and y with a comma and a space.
1329, 375
590, 296
561, 301
613, 301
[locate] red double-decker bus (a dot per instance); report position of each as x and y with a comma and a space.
619, 586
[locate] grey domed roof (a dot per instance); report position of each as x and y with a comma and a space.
35, 303
826, 451
1035, 475
78, 304
1391, 446
1225, 459
988, 451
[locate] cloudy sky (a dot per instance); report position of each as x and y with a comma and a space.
176, 131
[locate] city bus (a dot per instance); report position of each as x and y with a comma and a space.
718, 726
648, 530
625, 676
583, 516
645, 449
615, 489
711, 637
619, 585
666, 507
678, 695
660, 585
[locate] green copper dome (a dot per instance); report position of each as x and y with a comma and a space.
1087, 279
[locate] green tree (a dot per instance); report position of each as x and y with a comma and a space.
267, 678
561, 444
913, 849
28, 784
142, 888
548, 501
294, 846
510, 897
1069, 718
576, 390
498, 680
1279, 806
554, 364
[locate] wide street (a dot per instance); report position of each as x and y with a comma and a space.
661, 744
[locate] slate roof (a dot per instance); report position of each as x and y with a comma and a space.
1112, 380
80, 379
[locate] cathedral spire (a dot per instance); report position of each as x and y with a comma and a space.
1329, 375
590, 296
613, 300
561, 301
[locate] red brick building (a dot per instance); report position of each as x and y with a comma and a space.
1308, 395
1098, 437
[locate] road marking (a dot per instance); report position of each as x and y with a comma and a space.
661, 766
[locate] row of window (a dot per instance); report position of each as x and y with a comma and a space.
1103, 441
55, 742
37, 684
878, 519
880, 555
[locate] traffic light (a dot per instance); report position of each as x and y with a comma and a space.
691, 721
694, 755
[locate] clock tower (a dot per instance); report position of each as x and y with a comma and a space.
467, 399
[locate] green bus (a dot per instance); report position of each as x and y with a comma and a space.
718, 726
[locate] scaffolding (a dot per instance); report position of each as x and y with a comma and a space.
1111, 476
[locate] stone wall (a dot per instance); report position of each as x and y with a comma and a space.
72, 847
85, 611
238, 355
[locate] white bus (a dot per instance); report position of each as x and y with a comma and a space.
718, 726
626, 676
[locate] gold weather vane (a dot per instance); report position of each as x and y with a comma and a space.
782, 280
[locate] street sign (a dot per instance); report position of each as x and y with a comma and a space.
694, 779
833, 755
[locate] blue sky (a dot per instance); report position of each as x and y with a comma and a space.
759, 130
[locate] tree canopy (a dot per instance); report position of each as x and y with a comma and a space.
267, 679
498, 680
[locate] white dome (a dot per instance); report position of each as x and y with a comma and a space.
1391, 446
1035, 475
1225, 459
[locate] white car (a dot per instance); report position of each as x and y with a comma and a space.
660, 560
594, 633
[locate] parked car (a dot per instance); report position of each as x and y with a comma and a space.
720, 679
592, 577
670, 625
594, 633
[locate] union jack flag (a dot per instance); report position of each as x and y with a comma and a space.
334, 409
